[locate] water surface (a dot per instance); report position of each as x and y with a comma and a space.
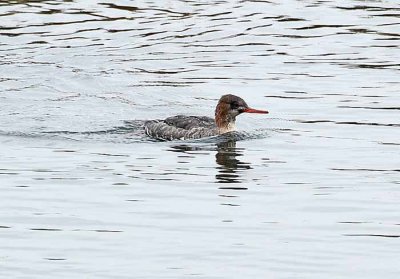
309, 191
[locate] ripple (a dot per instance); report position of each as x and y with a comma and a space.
374, 235
368, 170
350, 123
378, 108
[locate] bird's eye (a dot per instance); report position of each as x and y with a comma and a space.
234, 105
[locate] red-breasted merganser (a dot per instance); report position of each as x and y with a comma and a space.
194, 127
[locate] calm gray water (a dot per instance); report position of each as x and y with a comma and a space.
311, 190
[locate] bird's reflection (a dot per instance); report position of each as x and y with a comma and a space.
230, 167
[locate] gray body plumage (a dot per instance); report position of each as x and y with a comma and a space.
181, 127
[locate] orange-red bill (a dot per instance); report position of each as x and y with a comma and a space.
250, 110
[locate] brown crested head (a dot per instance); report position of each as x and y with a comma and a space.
229, 106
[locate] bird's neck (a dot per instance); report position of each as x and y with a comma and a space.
228, 127
224, 121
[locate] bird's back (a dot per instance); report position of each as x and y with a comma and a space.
181, 127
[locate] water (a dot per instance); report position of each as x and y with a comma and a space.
309, 191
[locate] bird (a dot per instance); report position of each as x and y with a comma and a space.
184, 127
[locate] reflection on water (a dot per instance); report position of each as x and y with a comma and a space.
230, 166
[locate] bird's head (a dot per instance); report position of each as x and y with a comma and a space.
229, 106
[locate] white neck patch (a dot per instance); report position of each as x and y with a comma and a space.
228, 128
